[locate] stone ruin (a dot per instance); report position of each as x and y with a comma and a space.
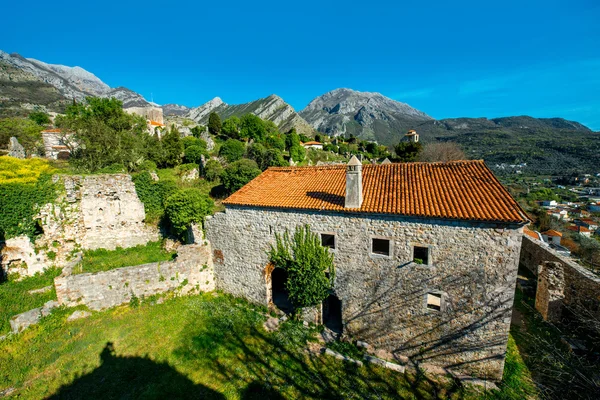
98, 211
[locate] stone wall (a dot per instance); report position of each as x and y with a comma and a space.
473, 266
91, 212
581, 286
192, 270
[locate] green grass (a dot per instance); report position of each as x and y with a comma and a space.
14, 298
104, 260
207, 346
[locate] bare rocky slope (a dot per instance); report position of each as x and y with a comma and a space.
26, 83
271, 108
367, 115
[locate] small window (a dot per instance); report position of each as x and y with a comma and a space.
434, 301
421, 255
328, 240
381, 246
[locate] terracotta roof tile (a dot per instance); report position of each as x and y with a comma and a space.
530, 233
312, 143
464, 190
154, 123
55, 130
552, 232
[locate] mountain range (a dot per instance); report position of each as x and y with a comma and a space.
547, 145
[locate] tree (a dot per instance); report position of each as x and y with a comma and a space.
105, 135
238, 174
40, 118
292, 139
442, 151
274, 158
214, 123
213, 170
231, 127
309, 266
252, 127
258, 153
187, 206
197, 131
407, 151
193, 154
297, 153
172, 148
275, 142
232, 150
26, 131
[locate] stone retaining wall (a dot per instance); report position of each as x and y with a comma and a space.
581, 287
191, 270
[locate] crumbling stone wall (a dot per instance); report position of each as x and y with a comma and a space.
581, 286
192, 270
473, 266
92, 212
550, 290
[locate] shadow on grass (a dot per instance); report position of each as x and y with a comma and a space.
231, 345
133, 377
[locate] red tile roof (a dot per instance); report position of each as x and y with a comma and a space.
464, 190
313, 143
552, 232
154, 123
530, 233
55, 130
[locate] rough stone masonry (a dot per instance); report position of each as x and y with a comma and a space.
472, 266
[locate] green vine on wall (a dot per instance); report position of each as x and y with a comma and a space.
309, 265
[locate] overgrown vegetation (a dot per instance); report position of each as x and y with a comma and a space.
309, 266
105, 260
15, 299
25, 186
187, 206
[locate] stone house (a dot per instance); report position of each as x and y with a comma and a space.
552, 236
426, 254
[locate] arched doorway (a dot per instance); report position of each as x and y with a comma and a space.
279, 293
332, 314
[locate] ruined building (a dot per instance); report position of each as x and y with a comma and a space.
426, 255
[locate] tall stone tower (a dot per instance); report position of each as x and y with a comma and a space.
411, 136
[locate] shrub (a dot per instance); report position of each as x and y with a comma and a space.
297, 153
213, 170
27, 132
307, 263
113, 169
232, 150
153, 194
187, 206
275, 142
231, 127
238, 174
252, 127
148, 166
25, 186
193, 154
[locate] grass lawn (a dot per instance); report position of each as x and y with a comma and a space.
104, 260
14, 298
205, 346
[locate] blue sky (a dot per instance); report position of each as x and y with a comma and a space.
446, 58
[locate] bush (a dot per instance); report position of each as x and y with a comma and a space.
25, 186
213, 170
27, 132
40, 118
232, 150
193, 154
275, 142
214, 123
307, 263
297, 153
113, 169
153, 194
238, 174
252, 127
187, 206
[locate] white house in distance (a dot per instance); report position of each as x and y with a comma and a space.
313, 145
411, 136
552, 237
549, 203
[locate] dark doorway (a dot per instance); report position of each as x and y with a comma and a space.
279, 293
332, 314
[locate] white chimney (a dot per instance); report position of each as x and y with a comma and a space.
354, 196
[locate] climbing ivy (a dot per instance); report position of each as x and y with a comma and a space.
309, 266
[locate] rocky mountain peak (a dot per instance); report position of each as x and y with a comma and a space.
368, 115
